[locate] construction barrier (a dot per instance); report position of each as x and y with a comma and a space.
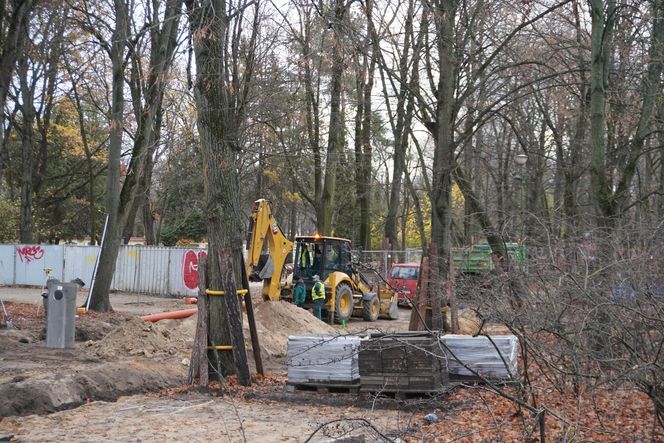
139, 269
157, 270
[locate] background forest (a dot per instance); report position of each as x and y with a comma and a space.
340, 118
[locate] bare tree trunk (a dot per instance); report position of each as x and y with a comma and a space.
88, 158
364, 150
13, 43
337, 126
651, 90
601, 43
419, 215
400, 120
312, 116
27, 150
219, 127
443, 161
611, 203
121, 207
99, 298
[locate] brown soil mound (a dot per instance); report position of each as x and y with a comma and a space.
136, 337
52, 391
275, 321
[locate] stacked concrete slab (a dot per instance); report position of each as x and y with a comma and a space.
323, 359
494, 358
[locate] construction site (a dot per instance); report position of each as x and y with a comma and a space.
373, 362
124, 372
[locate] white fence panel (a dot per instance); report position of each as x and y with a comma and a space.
152, 276
31, 260
126, 268
80, 263
7, 264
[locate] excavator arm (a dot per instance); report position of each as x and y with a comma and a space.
264, 227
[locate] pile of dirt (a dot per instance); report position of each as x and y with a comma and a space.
275, 321
63, 389
136, 337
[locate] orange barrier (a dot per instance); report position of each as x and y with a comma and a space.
170, 315
190, 300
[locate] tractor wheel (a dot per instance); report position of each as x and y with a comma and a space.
343, 303
371, 308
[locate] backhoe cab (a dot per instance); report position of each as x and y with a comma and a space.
347, 291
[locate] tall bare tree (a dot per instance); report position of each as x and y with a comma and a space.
224, 74
14, 21
121, 200
613, 197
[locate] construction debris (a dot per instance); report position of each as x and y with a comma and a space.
328, 359
492, 357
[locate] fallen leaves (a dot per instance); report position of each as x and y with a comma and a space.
603, 415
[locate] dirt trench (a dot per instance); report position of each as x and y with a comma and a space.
58, 390
118, 354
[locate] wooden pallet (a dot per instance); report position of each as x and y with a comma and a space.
400, 394
474, 380
325, 387
402, 363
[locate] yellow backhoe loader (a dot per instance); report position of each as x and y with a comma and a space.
348, 292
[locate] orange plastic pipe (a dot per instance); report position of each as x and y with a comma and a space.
170, 315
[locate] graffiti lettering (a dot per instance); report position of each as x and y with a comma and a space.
30, 253
190, 268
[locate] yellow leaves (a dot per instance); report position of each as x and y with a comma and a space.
272, 175
457, 197
292, 197
65, 131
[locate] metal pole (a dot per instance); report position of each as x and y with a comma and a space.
94, 272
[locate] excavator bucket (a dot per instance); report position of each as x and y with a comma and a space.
268, 269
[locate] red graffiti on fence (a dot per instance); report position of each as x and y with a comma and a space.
30, 253
190, 268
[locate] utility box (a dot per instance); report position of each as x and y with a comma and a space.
61, 314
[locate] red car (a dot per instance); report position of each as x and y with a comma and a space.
403, 277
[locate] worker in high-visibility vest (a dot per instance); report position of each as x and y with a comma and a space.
305, 260
318, 296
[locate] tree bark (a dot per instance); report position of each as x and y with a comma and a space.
443, 161
99, 298
221, 111
27, 149
419, 215
601, 43
13, 44
88, 157
364, 149
400, 132
120, 205
337, 127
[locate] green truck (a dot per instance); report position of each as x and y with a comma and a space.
476, 259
